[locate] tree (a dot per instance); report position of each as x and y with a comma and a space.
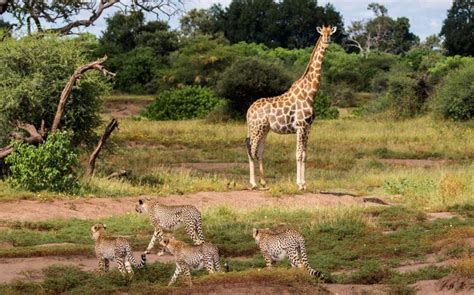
458, 29
381, 33
286, 23
43, 16
197, 21
33, 74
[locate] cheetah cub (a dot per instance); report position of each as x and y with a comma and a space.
170, 218
114, 248
276, 245
191, 257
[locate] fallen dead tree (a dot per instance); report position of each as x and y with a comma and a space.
108, 130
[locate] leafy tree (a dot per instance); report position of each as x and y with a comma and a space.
43, 16
33, 73
458, 28
248, 80
198, 21
136, 49
381, 33
454, 98
286, 23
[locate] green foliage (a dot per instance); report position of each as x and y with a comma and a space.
323, 108
135, 70
287, 23
372, 272
458, 27
248, 80
403, 95
185, 103
33, 73
454, 98
50, 166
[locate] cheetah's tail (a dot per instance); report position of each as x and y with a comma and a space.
304, 259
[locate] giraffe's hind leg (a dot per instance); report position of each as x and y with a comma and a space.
260, 149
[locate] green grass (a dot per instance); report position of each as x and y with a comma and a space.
343, 155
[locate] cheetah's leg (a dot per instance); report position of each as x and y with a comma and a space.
180, 268
103, 264
121, 265
209, 263
192, 231
294, 258
268, 260
217, 262
128, 268
158, 233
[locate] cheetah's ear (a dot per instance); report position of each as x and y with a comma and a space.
105, 226
140, 202
255, 231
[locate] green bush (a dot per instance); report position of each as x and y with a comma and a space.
323, 108
404, 95
50, 166
248, 80
454, 98
185, 103
33, 73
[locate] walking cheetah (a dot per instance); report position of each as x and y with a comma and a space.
191, 257
170, 218
276, 245
114, 248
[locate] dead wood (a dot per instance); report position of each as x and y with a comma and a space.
97, 65
117, 174
108, 130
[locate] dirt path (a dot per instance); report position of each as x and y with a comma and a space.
26, 210
30, 268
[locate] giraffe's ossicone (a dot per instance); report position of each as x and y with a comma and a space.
290, 112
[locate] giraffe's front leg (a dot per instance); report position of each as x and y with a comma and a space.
302, 135
252, 158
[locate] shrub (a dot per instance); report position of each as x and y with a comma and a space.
185, 103
248, 80
50, 166
404, 95
33, 73
454, 98
323, 108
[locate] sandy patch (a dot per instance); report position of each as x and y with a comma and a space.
94, 208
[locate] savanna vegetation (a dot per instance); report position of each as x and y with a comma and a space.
394, 123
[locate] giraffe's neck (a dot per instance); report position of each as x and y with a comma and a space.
311, 79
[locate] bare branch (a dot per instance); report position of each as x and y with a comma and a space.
108, 130
103, 5
97, 65
5, 151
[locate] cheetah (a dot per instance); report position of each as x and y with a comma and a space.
191, 257
276, 245
114, 248
170, 218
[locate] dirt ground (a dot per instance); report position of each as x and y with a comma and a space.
125, 108
27, 210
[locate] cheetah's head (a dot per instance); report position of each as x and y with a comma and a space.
256, 234
97, 230
169, 243
141, 207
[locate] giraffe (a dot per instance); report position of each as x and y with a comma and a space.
288, 113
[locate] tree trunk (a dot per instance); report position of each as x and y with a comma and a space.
108, 130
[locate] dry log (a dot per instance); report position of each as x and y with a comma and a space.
97, 65
35, 137
108, 130
116, 174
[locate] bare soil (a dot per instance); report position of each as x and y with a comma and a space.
30, 268
121, 108
433, 287
343, 289
93, 208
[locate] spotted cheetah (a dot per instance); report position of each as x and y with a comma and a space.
170, 218
191, 257
114, 248
276, 245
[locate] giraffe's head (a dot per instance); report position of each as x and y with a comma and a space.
326, 33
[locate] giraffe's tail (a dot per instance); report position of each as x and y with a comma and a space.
249, 147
